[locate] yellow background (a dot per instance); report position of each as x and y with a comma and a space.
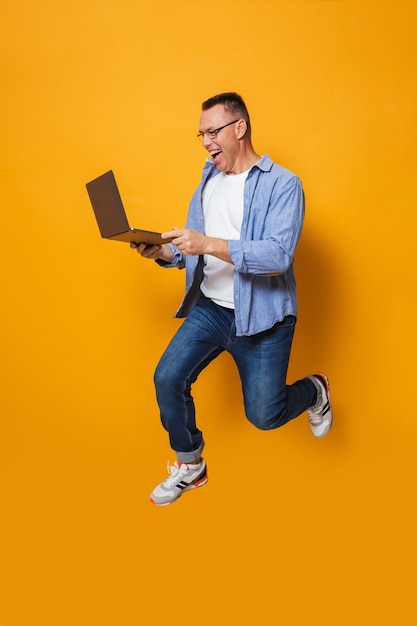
289, 530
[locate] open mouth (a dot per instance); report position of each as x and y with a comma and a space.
215, 154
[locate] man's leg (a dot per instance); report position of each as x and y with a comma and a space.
193, 347
262, 361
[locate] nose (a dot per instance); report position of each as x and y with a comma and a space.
206, 141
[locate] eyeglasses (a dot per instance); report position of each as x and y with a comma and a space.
212, 134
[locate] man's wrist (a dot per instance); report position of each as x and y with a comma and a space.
218, 248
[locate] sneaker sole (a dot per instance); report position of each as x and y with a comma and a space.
196, 485
326, 384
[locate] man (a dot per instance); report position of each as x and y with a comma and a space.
243, 225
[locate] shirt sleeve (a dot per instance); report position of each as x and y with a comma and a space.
177, 260
271, 231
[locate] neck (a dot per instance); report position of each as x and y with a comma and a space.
244, 162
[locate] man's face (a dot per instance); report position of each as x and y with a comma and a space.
224, 148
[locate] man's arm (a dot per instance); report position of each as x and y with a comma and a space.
192, 243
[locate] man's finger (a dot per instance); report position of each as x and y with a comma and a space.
172, 234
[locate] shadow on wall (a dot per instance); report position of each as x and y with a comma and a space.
322, 337
318, 280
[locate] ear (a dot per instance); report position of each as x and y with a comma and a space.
241, 128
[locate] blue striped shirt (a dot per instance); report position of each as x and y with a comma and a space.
264, 282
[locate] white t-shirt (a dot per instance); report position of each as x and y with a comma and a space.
223, 213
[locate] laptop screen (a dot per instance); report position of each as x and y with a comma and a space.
107, 205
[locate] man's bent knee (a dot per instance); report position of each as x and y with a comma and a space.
164, 379
268, 422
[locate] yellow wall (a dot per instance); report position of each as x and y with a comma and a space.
295, 531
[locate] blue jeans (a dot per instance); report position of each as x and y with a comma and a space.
262, 362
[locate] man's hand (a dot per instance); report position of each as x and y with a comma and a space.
163, 252
190, 243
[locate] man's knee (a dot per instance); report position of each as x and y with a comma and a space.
163, 378
267, 420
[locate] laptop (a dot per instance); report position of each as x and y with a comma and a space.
110, 213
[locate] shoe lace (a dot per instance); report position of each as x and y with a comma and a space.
314, 418
315, 415
174, 471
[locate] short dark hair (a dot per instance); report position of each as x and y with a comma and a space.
232, 102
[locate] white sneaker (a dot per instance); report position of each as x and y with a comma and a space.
320, 416
182, 477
